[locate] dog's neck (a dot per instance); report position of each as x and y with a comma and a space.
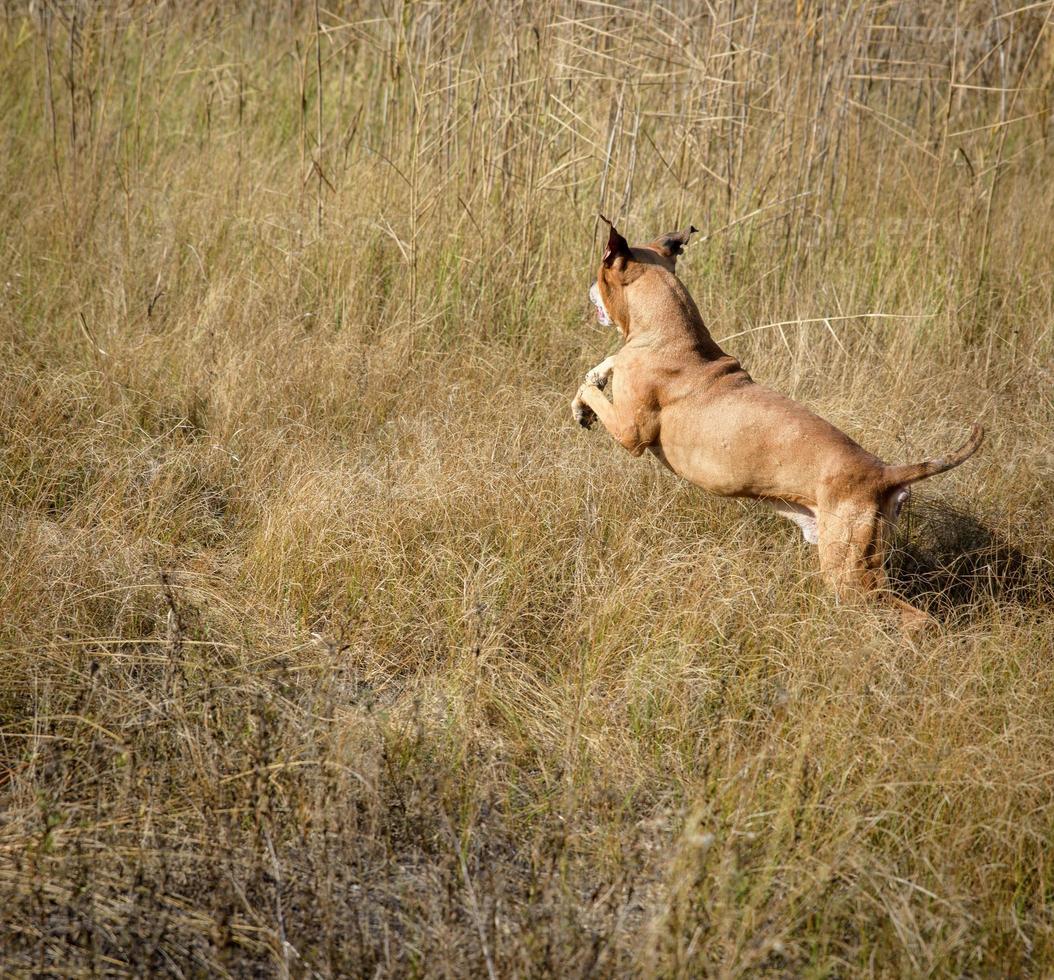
673, 319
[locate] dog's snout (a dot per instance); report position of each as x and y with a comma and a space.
594, 298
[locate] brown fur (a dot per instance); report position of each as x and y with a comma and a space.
678, 395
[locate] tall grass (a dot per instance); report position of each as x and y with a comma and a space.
330, 646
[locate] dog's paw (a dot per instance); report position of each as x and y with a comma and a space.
583, 414
598, 379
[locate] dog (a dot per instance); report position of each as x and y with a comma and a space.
678, 395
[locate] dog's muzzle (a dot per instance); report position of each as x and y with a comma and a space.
594, 298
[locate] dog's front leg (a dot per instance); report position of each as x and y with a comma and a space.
616, 419
601, 374
597, 377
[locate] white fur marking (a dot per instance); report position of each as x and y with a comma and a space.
802, 516
602, 313
601, 374
899, 499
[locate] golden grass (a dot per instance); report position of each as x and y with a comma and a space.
330, 645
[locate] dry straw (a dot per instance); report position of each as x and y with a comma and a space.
329, 646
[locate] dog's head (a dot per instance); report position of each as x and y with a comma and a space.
624, 270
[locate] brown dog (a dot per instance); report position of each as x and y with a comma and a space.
677, 394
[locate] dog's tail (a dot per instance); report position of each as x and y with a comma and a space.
894, 476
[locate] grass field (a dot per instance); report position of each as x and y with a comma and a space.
330, 646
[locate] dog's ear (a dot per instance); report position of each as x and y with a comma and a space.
672, 244
617, 251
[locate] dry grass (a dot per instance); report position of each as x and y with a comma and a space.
330, 646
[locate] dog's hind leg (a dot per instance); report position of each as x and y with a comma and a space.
847, 536
852, 554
